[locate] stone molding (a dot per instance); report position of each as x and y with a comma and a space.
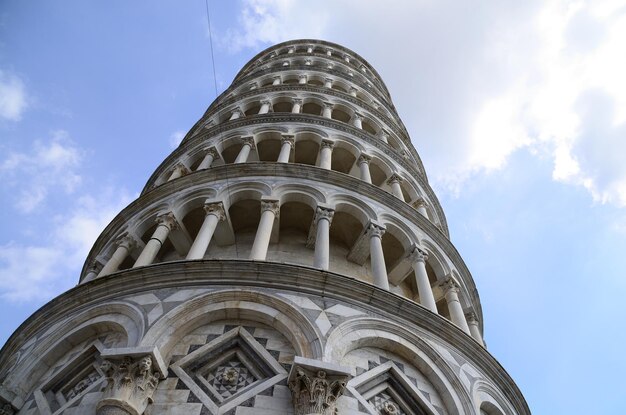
245, 274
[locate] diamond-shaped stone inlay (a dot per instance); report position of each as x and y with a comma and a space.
229, 378
385, 390
385, 405
229, 370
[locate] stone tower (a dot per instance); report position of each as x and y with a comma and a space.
289, 257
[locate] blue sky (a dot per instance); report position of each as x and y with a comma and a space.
518, 110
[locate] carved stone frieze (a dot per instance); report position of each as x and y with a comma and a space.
130, 385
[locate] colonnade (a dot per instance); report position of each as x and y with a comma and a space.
370, 242
248, 144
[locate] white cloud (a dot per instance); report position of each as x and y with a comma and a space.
50, 166
37, 272
175, 138
474, 83
13, 100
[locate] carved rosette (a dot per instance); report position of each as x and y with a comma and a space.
130, 385
316, 392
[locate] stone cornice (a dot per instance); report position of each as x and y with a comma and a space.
280, 118
298, 171
242, 274
252, 62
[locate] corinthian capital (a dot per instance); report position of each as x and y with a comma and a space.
271, 205
216, 209
167, 219
418, 254
130, 385
449, 285
316, 388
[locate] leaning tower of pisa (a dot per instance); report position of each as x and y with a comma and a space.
289, 257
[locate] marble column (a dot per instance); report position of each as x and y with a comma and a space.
327, 110
357, 120
276, 80
328, 82
329, 52
353, 91
346, 58
308, 62
309, 49
287, 143
379, 270
297, 106
364, 166
92, 272
457, 316
326, 154
179, 170
166, 222
237, 113
425, 291
291, 50
266, 104
420, 206
394, 181
302, 79
269, 211
248, 145
472, 322
323, 218
125, 244
210, 155
214, 214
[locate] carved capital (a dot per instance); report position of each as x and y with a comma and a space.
364, 158
471, 318
374, 230
248, 141
288, 138
130, 383
328, 80
167, 219
215, 209
212, 151
327, 144
237, 111
394, 178
291, 49
266, 102
419, 203
297, 101
315, 391
449, 285
182, 168
324, 213
328, 105
308, 62
357, 116
302, 76
6, 409
271, 205
418, 255
127, 241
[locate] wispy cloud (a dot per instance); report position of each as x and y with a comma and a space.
482, 82
40, 270
51, 165
13, 99
175, 138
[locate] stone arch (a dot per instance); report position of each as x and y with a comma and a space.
268, 145
344, 157
488, 400
121, 317
380, 171
342, 112
383, 334
307, 146
236, 304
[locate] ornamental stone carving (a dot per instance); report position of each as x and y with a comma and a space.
315, 392
271, 205
167, 219
129, 388
216, 209
6, 409
418, 255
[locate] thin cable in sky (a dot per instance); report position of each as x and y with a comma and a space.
208, 19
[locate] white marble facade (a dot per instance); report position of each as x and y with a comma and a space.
289, 257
